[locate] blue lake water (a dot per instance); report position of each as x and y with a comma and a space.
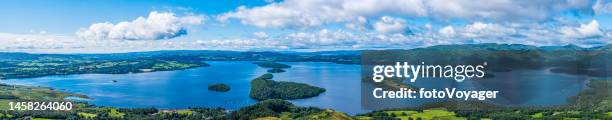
188, 88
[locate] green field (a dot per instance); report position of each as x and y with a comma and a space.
537, 115
430, 114
87, 115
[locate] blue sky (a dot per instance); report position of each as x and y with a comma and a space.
66, 16
101, 26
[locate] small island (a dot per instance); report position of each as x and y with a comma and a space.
390, 83
276, 70
219, 87
263, 89
272, 65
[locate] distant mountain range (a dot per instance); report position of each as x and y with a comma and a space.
488, 46
570, 59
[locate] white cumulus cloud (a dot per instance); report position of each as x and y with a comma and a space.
585, 34
602, 7
479, 29
158, 25
314, 13
505, 10
49, 43
447, 31
260, 35
388, 24
584, 31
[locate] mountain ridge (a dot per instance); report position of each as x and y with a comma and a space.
489, 46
